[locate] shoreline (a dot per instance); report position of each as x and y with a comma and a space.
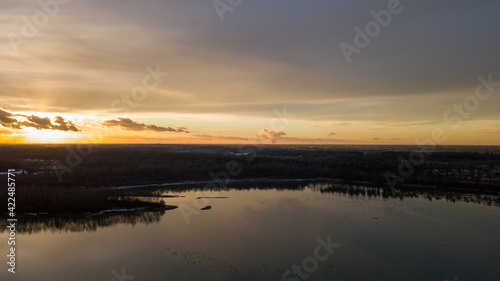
251, 180
95, 214
132, 206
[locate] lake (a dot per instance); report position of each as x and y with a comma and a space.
272, 231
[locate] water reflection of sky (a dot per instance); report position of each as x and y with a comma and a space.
258, 234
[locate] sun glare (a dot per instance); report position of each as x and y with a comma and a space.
46, 136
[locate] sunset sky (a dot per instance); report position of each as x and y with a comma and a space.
249, 71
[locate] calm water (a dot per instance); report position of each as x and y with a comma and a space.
259, 233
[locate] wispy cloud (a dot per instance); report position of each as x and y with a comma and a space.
130, 125
204, 136
331, 124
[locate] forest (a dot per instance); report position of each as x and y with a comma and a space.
77, 178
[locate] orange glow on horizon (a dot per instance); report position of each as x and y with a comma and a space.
46, 136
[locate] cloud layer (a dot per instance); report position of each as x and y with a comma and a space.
264, 55
432, 50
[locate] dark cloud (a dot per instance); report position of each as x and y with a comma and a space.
5, 117
63, 125
130, 125
17, 121
329, 134
38, 122
7, 120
